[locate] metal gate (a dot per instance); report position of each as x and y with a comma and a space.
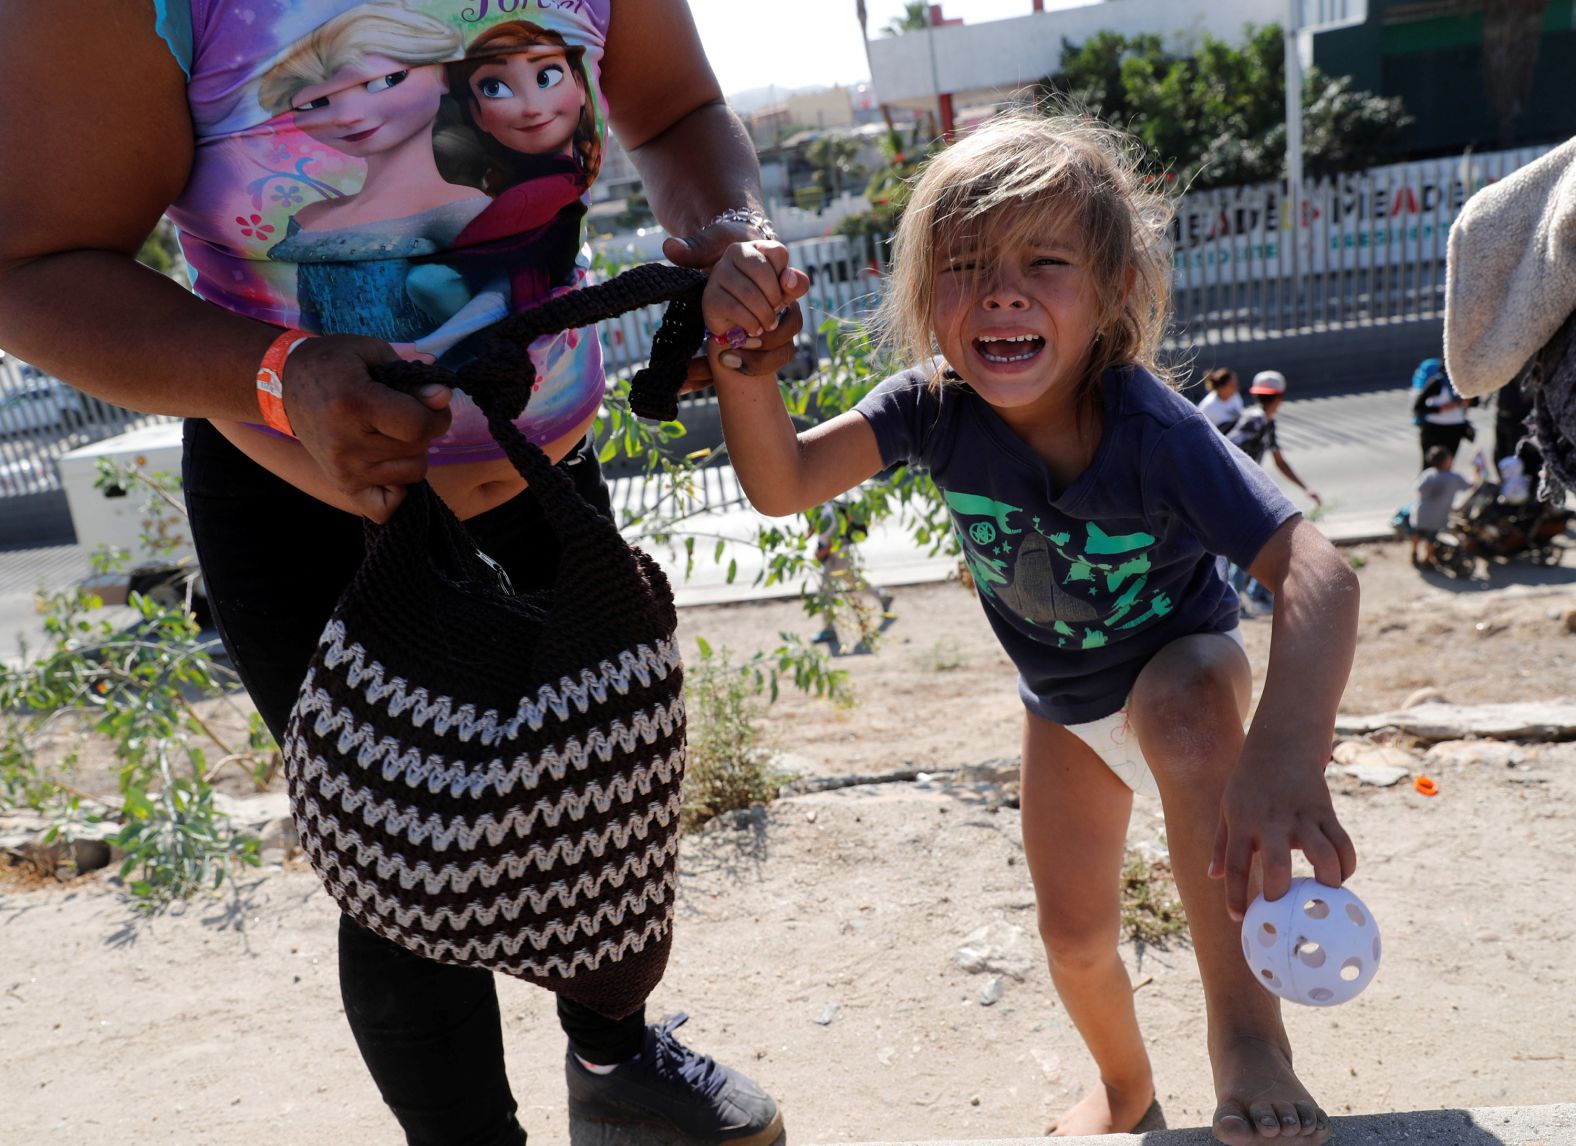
42, 418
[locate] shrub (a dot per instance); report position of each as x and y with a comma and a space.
1151, 909
730, 753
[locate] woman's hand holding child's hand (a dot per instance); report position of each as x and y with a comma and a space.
1272, 810
748, 290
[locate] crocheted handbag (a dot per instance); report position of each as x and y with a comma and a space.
489, 779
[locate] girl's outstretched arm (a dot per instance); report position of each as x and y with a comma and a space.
1277, 798
782, 471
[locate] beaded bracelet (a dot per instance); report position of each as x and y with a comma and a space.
750, 218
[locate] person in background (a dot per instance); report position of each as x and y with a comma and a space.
1254, 434
1223, 404
1437, 487
1439, 410
1512, 440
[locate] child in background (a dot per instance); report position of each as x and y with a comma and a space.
1030, 284
1437, 487
1223, 404
1254, 434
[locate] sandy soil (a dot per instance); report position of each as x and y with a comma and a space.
816, 939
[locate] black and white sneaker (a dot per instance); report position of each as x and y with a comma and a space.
670, 1086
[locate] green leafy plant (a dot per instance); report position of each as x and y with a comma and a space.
140, 687
730, 753
1151, 908
675, 514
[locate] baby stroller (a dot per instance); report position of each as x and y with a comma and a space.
1486, 526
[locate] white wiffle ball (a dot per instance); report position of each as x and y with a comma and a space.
1315, 945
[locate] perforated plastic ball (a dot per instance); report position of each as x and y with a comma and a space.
1315, 945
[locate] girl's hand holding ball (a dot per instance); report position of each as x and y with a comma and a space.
1315, 945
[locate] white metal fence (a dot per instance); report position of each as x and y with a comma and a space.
1370, 248
845, 282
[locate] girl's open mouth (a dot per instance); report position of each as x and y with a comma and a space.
1017, 348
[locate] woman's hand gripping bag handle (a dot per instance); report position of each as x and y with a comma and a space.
493, 780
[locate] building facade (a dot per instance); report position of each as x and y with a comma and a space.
1432, 54
988, 62
1466, 85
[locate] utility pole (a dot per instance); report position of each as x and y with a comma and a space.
1294, 138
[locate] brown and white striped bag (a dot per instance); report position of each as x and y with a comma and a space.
489, 779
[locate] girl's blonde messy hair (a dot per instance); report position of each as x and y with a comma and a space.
1006, 183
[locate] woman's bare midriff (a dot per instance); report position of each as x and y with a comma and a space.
468, 488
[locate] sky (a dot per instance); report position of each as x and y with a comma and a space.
810, 43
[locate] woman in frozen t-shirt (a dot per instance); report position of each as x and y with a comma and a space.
277, 520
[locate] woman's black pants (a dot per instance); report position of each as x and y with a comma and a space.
274, 561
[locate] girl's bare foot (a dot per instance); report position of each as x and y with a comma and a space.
1105, 1110
1260, 1097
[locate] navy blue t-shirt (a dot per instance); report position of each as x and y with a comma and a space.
1083, 585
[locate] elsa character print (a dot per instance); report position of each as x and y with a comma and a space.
526, 92
368, 84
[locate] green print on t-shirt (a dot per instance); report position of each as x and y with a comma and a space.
1046, 580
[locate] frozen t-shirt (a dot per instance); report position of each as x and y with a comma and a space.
1083, 585
412, 170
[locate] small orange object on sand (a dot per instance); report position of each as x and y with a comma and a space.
1426, 786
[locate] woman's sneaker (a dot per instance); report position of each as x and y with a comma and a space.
671, 1086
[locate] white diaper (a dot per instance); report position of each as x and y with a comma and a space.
1115, 742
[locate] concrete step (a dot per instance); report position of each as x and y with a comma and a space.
1486, 1126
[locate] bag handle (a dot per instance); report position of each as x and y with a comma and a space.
500, 377
500, 381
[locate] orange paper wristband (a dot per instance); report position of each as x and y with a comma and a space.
270, 380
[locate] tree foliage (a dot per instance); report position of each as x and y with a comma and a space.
1217, 117
915, 18
889, 184
835, 159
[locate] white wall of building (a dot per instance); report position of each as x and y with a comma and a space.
1001, 55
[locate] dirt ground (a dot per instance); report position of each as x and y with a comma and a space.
816, 939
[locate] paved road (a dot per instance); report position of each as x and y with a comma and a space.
1358, 450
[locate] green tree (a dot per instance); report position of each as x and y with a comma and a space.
834, 158
1217, 117
915, 18
889, 185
